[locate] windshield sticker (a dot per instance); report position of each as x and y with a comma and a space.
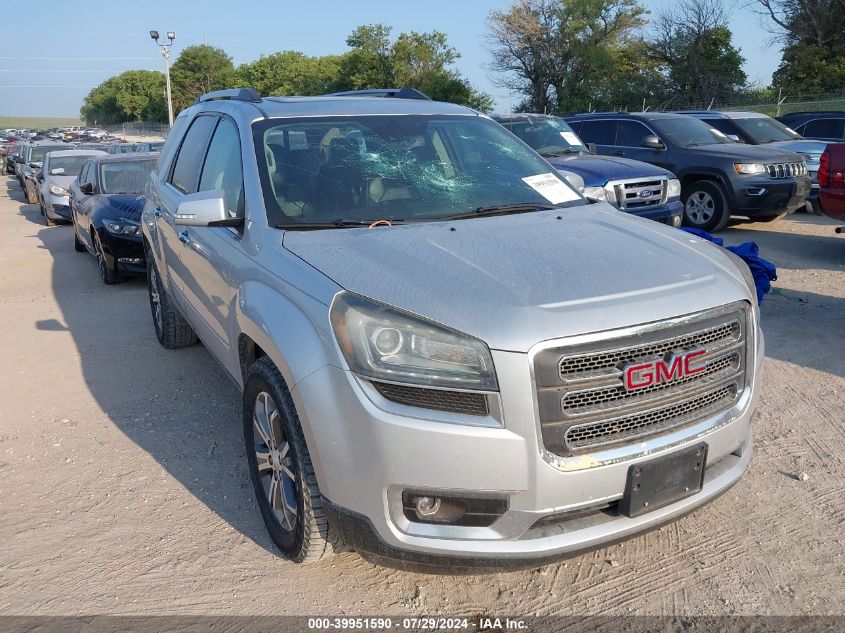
551, 188
297, 139
571, 138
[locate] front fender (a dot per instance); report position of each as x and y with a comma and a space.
293, 331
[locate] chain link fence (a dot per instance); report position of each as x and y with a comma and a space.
771, 101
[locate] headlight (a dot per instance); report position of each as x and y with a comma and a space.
58, 191
673, 189
595, 193
749, 169
384, 343
121, 227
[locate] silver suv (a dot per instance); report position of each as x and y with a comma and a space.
446, 356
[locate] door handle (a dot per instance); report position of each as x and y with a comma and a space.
184, 238
619, 153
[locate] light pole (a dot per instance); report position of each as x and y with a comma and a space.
165, 53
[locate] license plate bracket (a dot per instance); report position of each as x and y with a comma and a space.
659, 482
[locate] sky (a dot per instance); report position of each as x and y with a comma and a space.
80, 43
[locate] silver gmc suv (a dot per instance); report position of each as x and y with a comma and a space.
446, 356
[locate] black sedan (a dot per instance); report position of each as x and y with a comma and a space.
106, 202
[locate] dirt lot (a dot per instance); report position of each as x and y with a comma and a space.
123, 486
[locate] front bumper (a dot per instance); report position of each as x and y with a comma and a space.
57, 207
763, 196
670, 213
125, 253
390, 448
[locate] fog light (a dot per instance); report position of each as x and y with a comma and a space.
427, 506
420, 507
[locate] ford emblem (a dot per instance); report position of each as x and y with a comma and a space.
644, 193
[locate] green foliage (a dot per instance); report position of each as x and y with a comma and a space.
291, 73
200, 69
562, 53
810, 69
135, 95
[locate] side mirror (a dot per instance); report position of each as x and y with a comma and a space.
18, 159
204, 208
591, 147
35, 165
87, 188
40, 176
652, 142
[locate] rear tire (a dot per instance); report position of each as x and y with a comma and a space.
296, 520
705, 206
172, 330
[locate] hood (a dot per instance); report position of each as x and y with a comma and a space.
516, 280
121, 205
751, 153
598, 170
801, 146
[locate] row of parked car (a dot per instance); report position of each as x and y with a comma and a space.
453, 350
699, 167
24, 158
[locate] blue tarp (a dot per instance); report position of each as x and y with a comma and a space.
763, 271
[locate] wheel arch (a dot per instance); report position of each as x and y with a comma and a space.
271, 324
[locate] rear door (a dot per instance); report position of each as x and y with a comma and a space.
600, 132
825, 129
207, 253
84, 203
179, 179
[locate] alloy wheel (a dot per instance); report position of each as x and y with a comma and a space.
275, 462
700, 207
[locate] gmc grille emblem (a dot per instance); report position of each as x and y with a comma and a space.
668, 369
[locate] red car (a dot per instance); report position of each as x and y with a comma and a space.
832, 182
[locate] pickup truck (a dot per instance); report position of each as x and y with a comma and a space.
832, 182
447, 358
632, 186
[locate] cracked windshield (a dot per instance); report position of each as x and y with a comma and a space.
351, 171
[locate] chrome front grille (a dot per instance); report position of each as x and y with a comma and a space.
786, 170
640, 193
581, 394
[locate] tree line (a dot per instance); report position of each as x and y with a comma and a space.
571, 55
424, 61
558, 55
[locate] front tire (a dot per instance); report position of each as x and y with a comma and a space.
705, 206
31, 195
281, 470
107, 274
172, 330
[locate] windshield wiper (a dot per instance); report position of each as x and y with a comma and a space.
561, 152
499, 209
340, 223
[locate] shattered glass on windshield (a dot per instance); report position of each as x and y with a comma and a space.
395, 168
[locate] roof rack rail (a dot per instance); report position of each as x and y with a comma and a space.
393, 93
231, 94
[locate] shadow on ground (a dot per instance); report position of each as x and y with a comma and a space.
177, 405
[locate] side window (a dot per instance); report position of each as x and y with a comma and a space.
189, 159
631, 133
598, 132
83, 172
223, 169
825, 128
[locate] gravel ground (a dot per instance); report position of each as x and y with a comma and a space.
123, 487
